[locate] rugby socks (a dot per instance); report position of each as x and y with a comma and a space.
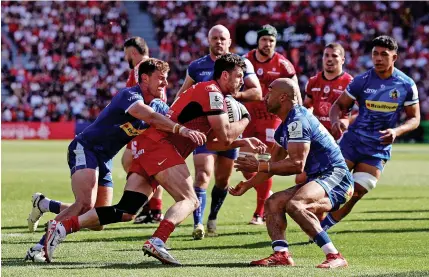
262, 194
199, 212
323, 241
218, 196
164, 230
280, 246
71, 225
48, 205
155, 206
328, 222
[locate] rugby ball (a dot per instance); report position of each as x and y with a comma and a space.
233, 108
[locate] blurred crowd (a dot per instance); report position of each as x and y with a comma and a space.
182, 29
64, 60
61, 60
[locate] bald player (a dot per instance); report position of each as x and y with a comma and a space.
302, 143
206, 161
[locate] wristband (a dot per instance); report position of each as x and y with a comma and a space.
176, 128
264, 167
182, 128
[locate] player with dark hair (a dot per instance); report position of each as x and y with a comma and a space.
160, 158
382, 93
130, 113
207, 162
269, 65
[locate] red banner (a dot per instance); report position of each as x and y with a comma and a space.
38, 130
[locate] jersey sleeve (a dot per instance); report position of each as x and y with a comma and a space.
307, 89
353, 89
412, 95
299, 130
249, 68
288, 68
279, 134
129, 98
159, 106
191, 72
212, 100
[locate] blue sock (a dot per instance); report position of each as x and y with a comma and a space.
199, 213
280, 245
322, 238
328, 222
218, 196
40, 244
54, 207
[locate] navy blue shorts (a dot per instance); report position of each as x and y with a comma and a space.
338, 184
230, 154
357, 152
79, 158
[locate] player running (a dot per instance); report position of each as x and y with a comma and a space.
206, 161
160, 158
90, 154
136, 51
383, 93
302, 143
269, 65
323, 89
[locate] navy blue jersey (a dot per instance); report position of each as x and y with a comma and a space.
115, 127
302, 126
380, 104
201, 70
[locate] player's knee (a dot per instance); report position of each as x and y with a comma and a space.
272, 205
202, 178
294, 206
195, 203
85, 205
364, 182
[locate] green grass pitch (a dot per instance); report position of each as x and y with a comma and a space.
386, 235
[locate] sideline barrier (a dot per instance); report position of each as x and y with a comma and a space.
38, 130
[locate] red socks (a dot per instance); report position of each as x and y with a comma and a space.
164, 230
155, 204
262, 194
71, 225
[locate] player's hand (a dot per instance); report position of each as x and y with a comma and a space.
388, 136
255, 145
239, 189
196, 136
338, 128
246, 164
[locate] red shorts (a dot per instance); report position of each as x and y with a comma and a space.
152, 157
263, 129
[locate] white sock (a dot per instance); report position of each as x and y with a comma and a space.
281, 249
44, 205
329, 248
38, 247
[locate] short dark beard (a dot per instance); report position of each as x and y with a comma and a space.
262, 53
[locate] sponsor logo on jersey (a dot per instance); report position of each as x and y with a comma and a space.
273, 73
370, 90
394, 94
380, 106
130, 130
216, 100
295, 129
337, 90
205, 73
212, 87
260, 71
326, 89
315, 89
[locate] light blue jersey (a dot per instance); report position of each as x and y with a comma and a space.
380, 104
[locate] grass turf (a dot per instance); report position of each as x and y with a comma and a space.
387, 234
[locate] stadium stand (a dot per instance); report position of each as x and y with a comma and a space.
64, 60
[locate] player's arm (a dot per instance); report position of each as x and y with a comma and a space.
224, 131
413, 120
308, 100
144, 112
340, 107
186, 84
253, 90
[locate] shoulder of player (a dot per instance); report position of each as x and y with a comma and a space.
249, 54
197, 62
209, 86
404, 78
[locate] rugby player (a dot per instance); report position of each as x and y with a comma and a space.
269, 65
302, 143
382, 93
160, 158
90, 154
325, 87
136, 51
206, 161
